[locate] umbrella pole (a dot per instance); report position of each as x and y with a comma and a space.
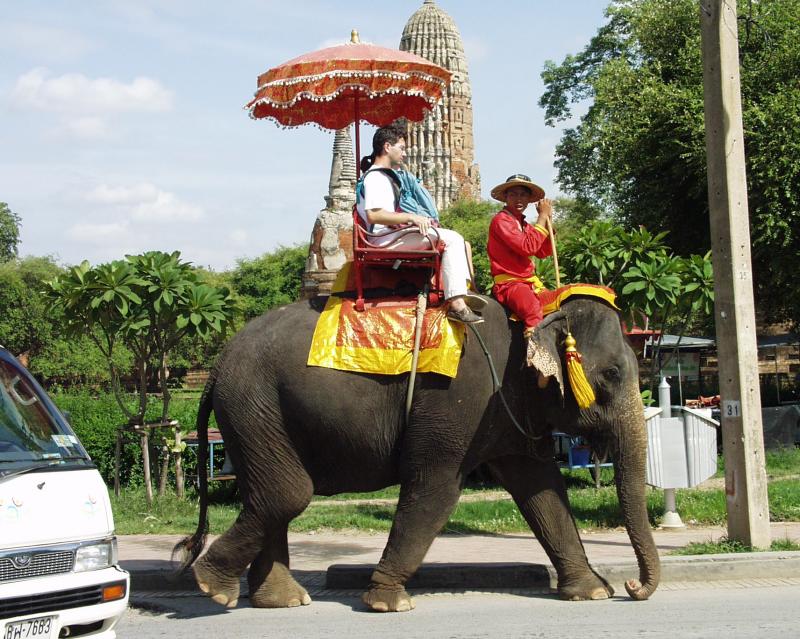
358, 141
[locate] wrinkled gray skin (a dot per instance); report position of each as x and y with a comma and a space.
294, 431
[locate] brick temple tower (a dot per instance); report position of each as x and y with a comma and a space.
441, 148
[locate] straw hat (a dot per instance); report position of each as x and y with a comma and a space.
518, 179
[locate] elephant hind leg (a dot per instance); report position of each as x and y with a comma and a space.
259, 538
270, 582
218, 571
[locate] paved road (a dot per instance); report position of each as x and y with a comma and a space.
729, 610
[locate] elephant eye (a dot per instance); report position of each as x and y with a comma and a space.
611, 374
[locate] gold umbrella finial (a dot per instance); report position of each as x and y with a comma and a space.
354, 37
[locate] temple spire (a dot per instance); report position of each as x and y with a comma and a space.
331, 239
441, 148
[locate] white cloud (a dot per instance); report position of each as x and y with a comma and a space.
145, 203
105, 194
167, 208
77, 94
89, 233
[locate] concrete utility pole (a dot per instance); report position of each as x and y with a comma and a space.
743, 439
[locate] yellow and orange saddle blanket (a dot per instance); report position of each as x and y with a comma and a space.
380, 339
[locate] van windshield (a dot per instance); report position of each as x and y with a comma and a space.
30, 436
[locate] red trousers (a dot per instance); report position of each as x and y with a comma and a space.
521, 300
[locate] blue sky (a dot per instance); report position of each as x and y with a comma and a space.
122, 128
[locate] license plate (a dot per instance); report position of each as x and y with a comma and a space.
36, 628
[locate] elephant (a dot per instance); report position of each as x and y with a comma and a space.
294, 431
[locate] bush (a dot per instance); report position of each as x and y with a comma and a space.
77, 361
274, 279
95, 418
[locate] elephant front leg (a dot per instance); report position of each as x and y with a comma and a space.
422, 511
538, 489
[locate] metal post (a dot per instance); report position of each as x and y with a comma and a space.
664, 399
671, 520
743, 438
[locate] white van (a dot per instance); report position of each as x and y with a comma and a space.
59, 575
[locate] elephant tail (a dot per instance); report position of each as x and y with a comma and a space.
189, 548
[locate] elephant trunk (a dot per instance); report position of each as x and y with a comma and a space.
629, 466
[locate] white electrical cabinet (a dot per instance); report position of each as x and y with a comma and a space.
681, 451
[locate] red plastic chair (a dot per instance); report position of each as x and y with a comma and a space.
368, 254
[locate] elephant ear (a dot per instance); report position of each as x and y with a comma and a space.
543, 348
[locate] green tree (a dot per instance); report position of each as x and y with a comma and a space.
75, 361
9, 233
639, 150
655, 288
472, 219
570, 215
274, 279
26, 324
199, 352
147, 302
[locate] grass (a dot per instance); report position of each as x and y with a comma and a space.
783, 462
167, 515
593, 507
725, 545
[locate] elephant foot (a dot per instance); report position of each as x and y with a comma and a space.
221, 588
384, 598
277, 590
591, 587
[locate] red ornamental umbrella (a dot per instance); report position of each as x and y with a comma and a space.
352, 82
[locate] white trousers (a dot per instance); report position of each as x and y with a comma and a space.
455, 270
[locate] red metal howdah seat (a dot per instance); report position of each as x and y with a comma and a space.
367, 254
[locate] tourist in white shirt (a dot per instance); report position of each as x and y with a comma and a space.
379, 210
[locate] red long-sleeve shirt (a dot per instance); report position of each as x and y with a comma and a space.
512, 242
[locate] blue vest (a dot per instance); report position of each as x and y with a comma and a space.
409, 194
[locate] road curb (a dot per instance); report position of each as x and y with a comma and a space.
722, 567
471, 576
161, 580
456, 576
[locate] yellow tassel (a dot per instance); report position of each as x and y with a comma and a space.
581, 388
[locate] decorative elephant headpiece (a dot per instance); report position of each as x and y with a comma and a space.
543, 356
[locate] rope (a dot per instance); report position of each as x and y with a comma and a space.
498, 387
